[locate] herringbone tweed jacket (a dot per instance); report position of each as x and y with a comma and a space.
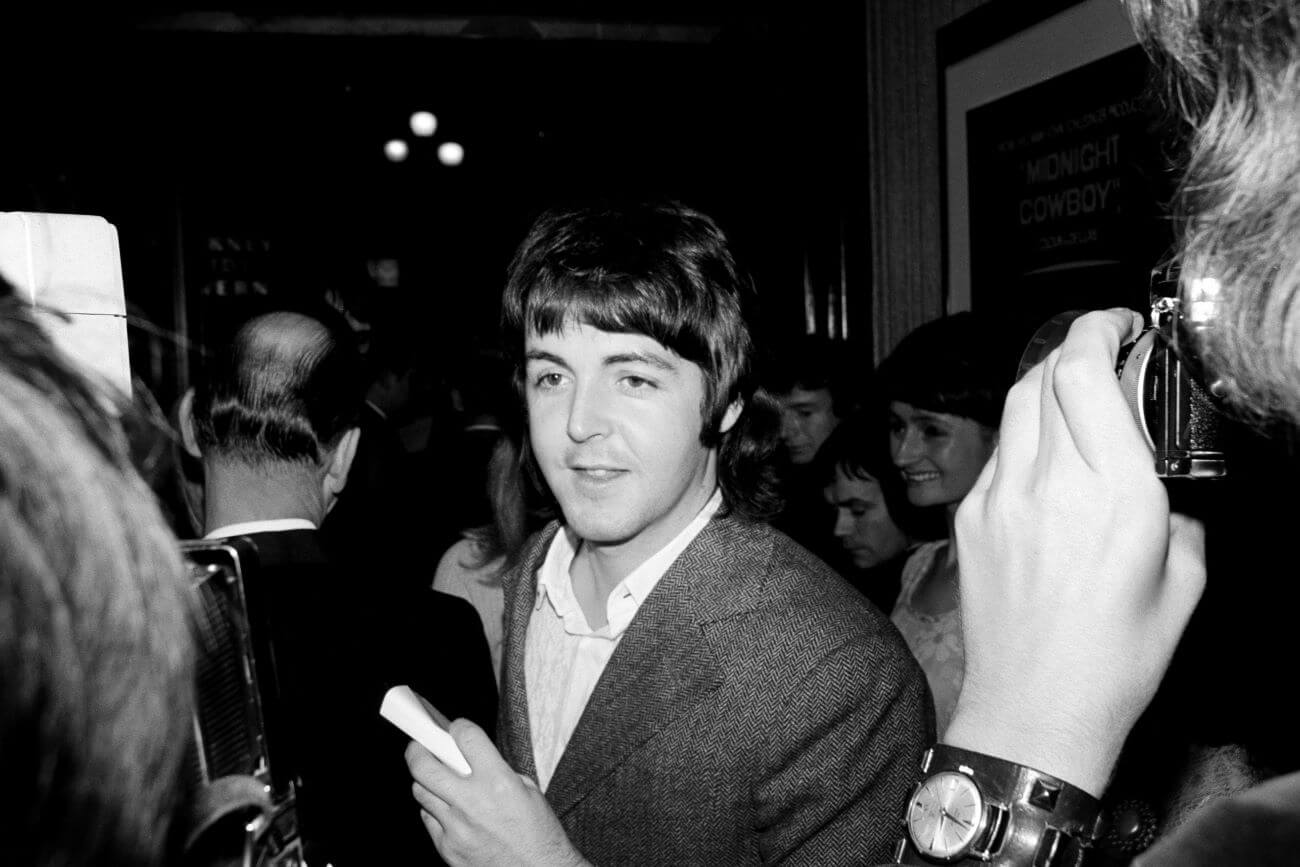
758, 710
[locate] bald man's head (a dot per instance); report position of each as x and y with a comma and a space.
286, 389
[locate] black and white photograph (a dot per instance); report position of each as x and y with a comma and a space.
600, 435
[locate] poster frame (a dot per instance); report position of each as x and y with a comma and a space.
999, 49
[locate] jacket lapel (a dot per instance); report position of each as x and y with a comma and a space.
662, 667
513, 731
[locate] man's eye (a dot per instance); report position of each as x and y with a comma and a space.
637, 383
547, 380
935, 432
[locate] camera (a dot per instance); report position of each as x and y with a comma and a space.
1176, 413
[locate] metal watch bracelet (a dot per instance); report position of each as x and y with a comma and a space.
1030, 819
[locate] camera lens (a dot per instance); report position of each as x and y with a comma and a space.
1049, 335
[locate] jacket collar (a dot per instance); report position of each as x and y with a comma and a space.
663, 666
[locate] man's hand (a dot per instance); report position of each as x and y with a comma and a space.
1076, 582
492, 817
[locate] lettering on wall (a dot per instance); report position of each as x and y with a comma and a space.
1066, 193
235, 266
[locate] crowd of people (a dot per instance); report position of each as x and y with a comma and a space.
682, 605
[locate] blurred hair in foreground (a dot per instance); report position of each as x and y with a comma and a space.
1230, 71
95, 648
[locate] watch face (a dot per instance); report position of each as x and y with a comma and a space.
944, 817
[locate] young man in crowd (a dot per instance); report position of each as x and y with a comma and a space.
682, 684
810, 382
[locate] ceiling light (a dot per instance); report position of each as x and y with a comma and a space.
396, 150
423, 123
450, 153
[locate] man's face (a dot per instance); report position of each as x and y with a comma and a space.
862, 520
939, 454
807, 419
615, 422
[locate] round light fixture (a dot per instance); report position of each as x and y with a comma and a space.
423, 123
450, 153
396, 150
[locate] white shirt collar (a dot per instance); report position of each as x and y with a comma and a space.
275, 525
555, 583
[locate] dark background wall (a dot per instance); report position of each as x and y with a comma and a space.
904, 142
241, 155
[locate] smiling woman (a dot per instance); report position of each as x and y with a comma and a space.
938, 454
945, 384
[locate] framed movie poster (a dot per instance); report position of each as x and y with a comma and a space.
1054, 177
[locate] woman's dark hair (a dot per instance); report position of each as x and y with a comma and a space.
515, 511
665, 271
954, 365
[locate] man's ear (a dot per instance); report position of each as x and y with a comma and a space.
731, 416
189, 438
340, 464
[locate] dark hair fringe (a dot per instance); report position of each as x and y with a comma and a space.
663, 270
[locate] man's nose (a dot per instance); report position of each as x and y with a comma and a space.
843, 524
789, 427
588, 413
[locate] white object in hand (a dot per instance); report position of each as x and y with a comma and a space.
407, 709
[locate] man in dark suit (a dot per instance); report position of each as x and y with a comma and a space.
682, 684
275, 424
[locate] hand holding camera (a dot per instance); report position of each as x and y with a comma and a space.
1163, 383
1076, 582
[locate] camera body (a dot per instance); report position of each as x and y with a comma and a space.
1180, 421
245, 791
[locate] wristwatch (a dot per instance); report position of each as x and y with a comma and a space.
972, 808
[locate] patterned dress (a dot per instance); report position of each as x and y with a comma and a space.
935, 641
